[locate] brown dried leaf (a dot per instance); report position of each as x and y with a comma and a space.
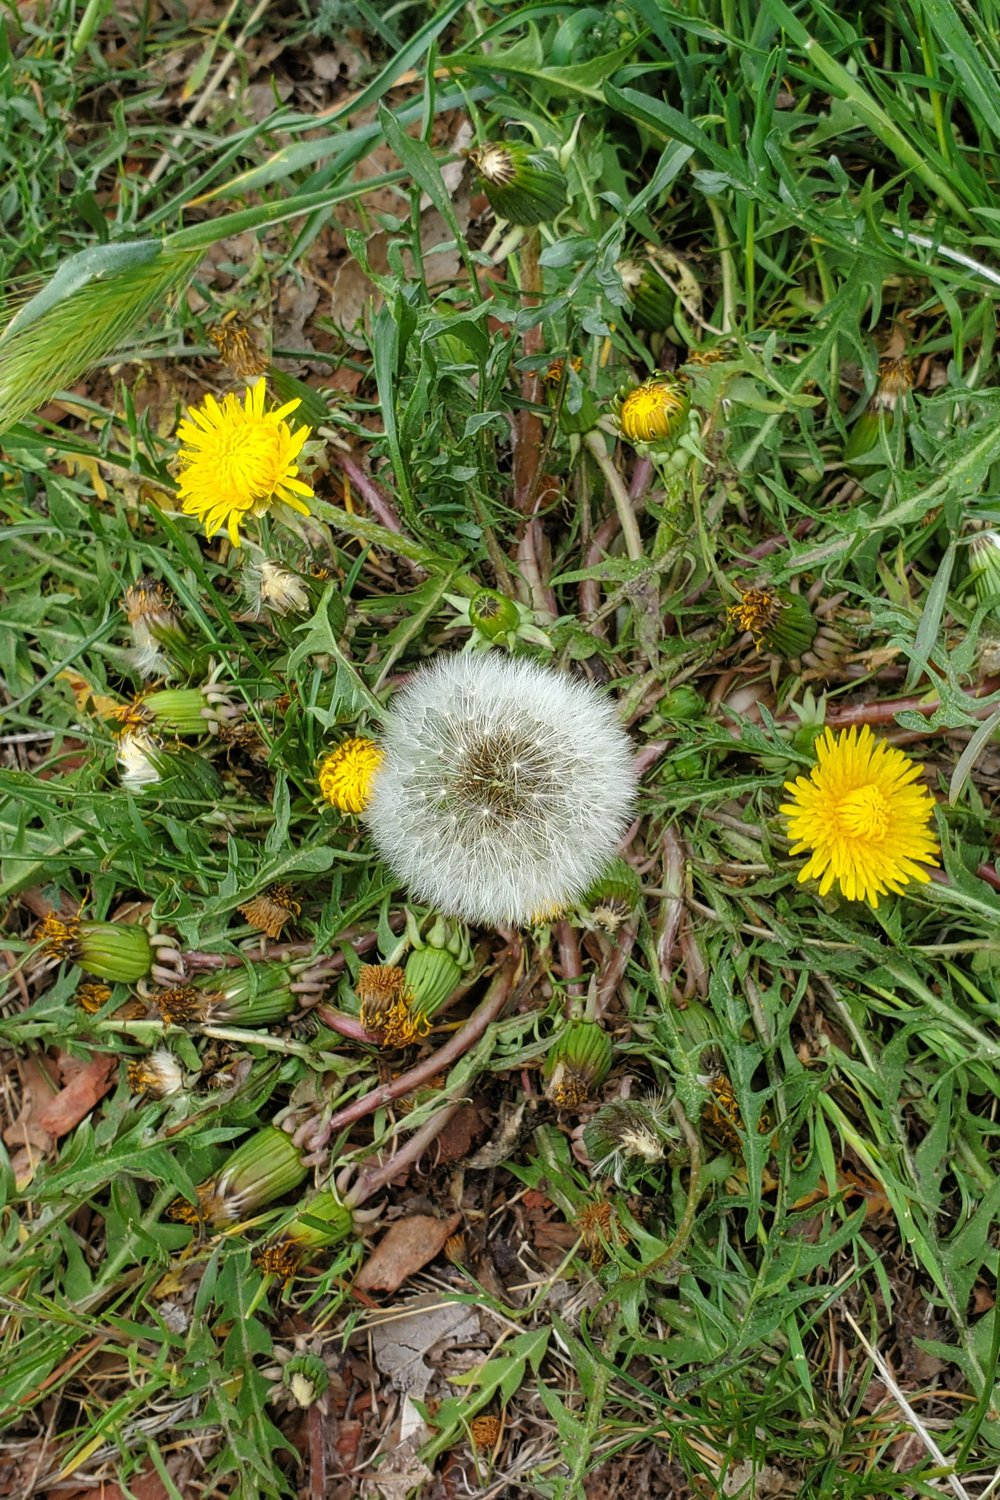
404, 1249
87, 1083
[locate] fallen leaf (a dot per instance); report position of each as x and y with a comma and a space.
402, 1339
87, 1084
406, 1247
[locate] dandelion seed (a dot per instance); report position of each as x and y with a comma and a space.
135, 754
505, 788
237, 460
863, 821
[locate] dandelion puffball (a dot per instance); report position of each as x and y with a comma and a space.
505, 789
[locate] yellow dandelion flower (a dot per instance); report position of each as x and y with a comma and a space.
237, 459
347, 773
863, 821
653, 411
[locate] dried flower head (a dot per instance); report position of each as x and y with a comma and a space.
895, 379
556, 371
92, 997
347, 773
236, 348
628, 1135
156, 1076
860, 816
387, 1006
270, 911
485, 1431
179, 1003
237, 459
505, 789
155, 626
756, 612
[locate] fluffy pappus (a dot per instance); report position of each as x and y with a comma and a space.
505, 789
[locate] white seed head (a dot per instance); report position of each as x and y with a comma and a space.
134, 753
275, 587
505, 788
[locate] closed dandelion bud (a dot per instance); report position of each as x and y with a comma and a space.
794, 631
261, 1170
156, 1076
895, 380
320, 1223
181, 710
307, 1378
652, 303
577, 1064
493, 614
117, 951
653, 414
437, 966
523, 185
614, 895
627, 1132
158, 635
347, 774
186, 777
681, 704
863, 438
984, 562
251, 997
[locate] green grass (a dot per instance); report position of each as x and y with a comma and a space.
823, 189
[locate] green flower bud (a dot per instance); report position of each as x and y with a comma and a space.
118, 951
783, 623
322, 1221
984, 562
439, 961
178, 710
265, 1167
257, 996
682, 703
651, 301
493, 614
524, 185
577, 1064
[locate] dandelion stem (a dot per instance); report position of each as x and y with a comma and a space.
623, 503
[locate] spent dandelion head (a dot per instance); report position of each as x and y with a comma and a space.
861, 817
505, 789
271, 910
237, 459
387, 1010
156, 1076
346, 775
